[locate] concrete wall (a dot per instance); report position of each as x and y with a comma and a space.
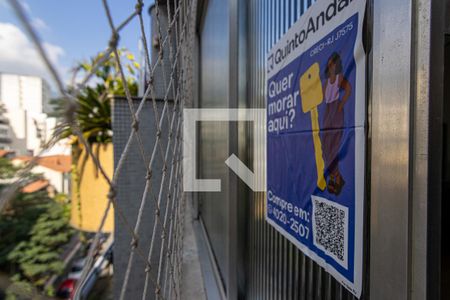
163, 70
130, 188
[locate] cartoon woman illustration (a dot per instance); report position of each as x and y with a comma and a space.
333, 121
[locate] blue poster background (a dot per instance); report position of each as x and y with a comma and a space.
291, 165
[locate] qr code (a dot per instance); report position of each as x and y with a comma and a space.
330, 228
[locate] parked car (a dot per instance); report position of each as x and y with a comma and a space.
77, 269
67, 289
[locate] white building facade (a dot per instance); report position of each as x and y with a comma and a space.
5, 131
26, 100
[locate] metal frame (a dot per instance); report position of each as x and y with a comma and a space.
419, 148
390, 163
211, 274
406, 149
221, 287
233, 102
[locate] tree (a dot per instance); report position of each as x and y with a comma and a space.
33, 229
17, 221
38, 258
93, 113
7, 170
18, 216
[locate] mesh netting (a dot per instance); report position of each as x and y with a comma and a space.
168, 70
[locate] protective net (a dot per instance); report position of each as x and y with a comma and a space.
168, 76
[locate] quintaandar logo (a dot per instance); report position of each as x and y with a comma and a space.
255, 180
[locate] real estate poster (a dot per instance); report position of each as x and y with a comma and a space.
316, 107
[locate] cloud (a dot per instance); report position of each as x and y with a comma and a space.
18, 54
25, 5
39, 24
36, 22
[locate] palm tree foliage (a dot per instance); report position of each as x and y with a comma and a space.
93, 112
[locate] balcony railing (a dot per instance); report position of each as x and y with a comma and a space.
5, 134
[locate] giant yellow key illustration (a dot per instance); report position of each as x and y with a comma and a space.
311, 94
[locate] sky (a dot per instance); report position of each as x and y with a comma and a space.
72, 31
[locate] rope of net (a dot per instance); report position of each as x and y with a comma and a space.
175, 37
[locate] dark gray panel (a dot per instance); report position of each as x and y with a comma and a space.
160, 51
130, 188
213, 149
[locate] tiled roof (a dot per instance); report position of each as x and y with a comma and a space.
60, 163
3, 153
35, 186
24, 158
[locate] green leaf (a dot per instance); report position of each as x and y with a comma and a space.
94, 102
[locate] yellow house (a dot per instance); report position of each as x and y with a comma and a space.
90, 189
